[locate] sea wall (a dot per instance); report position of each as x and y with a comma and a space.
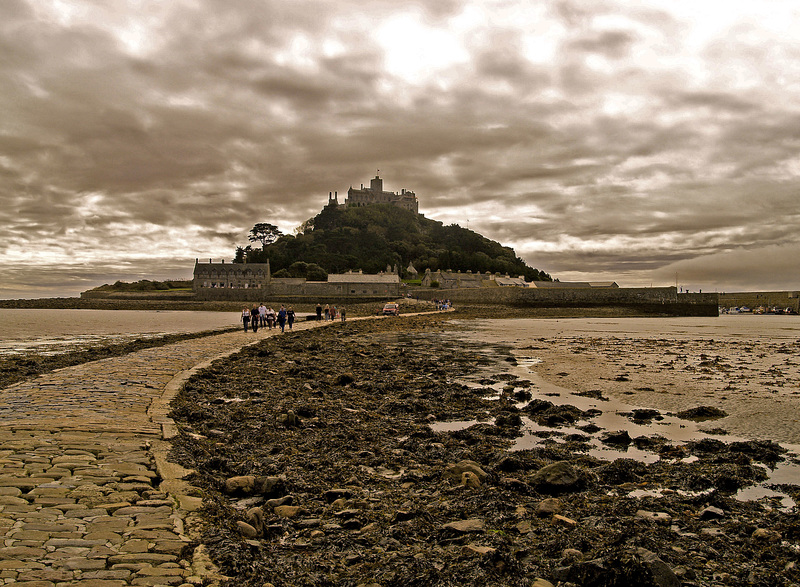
650, 300
779, 299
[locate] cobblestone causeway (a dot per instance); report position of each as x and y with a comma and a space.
87, 496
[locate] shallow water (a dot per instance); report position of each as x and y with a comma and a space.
509, 342
54, 331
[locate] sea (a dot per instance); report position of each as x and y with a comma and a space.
54, 331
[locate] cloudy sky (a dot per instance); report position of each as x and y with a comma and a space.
651, 142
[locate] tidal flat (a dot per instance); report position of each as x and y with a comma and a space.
413, 452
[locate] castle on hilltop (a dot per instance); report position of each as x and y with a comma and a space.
375, 194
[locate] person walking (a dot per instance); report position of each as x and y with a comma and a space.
282, 317
254, 318
262, 314
270, 318
343, 313
246, 318
290, 317
319, 312
327, 312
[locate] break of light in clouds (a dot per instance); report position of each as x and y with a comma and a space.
642, 142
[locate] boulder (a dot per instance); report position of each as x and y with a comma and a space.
638, 567
711, 513
255, 517
620, 437
246, 529
470, 479
548, 507
454, 472
702, 413
251, 484
560, 477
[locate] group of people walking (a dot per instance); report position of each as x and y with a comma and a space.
261, 316
331, 313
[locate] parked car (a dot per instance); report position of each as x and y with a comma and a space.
391, 309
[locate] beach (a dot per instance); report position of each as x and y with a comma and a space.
431, 451
747, 366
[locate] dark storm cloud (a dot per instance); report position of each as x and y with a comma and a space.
621, 140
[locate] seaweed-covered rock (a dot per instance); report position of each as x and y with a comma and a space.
621, 471
702, 413
638, 567
560, 477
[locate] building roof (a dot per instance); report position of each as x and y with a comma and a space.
572, 284
515, 281
363, 278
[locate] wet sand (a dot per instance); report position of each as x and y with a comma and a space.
748, 366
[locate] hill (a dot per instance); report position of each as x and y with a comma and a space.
373, 237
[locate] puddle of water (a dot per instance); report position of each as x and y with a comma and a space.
612, 418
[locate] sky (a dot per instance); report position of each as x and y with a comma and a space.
648, 142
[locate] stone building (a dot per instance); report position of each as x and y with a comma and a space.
247, 281
375, 194
457, 279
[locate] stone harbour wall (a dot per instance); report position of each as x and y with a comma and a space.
651, 300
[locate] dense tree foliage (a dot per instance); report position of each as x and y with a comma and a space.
264, 233
145, 285
373, 237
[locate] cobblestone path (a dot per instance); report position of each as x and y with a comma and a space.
87, 496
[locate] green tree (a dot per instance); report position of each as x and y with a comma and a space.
264, 233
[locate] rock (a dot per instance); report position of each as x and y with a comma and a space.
465, 526
548, 507
537, 582
618, 437
455, 471
285, 500
644, 414
524, 527
271, 486
250, 484
711, 513
537, 406
638, 567
560, 477
339, 504
510, 463
766, 535
571, 554
702, 413
332, 495
255, 517
246, 529
289, 419
508, 419
470, 479
621, 471
475, 550
287, 511
403, 516
515, 484
564, 521
657, 517
243, 484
